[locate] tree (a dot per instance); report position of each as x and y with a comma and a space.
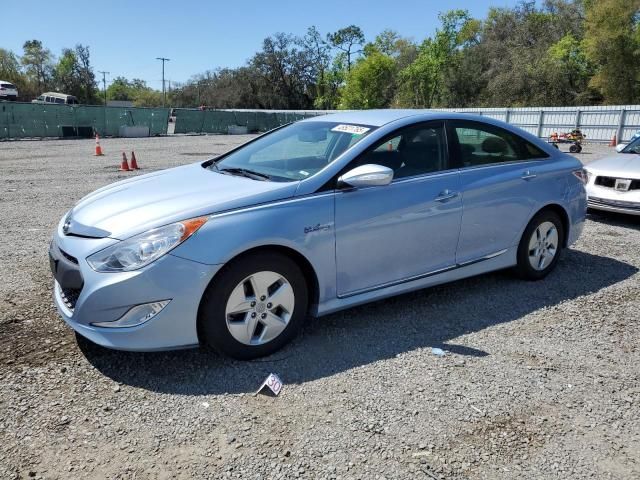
9, 66
422, 80
65, 74
286, 73
86, 78
319, 52
371, 82
346, 40
566, 71
37, 61
612, 42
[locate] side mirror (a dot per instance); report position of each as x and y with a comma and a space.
367, 176
620, 147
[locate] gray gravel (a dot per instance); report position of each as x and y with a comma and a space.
541, 380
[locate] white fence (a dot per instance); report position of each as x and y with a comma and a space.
599, 124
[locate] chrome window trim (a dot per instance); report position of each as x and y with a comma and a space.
497, 164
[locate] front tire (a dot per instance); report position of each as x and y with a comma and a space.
540, 246
254, 306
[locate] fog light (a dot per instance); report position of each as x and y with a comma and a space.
136, 315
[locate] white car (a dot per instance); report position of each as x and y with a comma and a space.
8, 91
614, 182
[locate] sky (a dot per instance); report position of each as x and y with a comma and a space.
125, 37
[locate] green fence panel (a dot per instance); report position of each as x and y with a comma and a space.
219, 121
23, 120
188, 121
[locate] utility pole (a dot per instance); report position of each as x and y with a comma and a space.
104, 85
164, 91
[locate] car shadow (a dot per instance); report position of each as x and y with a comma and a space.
615, 219
432, 317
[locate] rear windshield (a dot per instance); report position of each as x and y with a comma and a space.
7, 85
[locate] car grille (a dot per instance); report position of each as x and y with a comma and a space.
605, 202
69, 296
610, 182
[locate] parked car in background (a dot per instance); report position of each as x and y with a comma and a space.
8, 91
614, 181
54, 97
313, 217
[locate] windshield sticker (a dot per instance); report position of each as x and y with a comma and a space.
355, 129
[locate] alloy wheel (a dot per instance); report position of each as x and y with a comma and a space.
259, 308
543, 245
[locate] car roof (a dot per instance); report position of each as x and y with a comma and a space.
378, 118
56, 94
375, 118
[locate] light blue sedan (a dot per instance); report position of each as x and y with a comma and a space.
308, 219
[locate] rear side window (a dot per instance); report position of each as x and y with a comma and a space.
59, 100
482, 144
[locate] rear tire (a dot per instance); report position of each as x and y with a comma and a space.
254, 306
540, 246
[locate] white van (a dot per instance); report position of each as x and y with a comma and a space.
53, 97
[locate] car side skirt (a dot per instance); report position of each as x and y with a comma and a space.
497, 261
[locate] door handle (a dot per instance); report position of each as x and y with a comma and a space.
446, 195
528, 175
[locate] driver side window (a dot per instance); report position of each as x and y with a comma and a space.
415, 150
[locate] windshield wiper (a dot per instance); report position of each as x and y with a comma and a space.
245, 173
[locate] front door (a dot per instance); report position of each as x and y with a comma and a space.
389, 234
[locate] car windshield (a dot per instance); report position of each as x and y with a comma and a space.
294, 152
633, 147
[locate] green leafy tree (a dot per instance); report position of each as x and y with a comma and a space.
9, 66
422, 81
612, 42
347, 40
371, 82
38, 63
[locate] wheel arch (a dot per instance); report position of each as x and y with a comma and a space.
564, 217
305, 265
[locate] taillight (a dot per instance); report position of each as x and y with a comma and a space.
582, 175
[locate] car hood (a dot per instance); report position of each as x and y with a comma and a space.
623, 165
138, 204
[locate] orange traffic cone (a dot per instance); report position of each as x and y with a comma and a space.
614, 141
124, 166
134, 163
98, 147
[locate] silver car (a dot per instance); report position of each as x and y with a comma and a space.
614, 181
314, 217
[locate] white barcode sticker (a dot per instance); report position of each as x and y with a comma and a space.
355, 129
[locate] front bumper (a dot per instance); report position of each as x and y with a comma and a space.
614, 206
610, 200
106, 297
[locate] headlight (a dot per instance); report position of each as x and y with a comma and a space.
141, 250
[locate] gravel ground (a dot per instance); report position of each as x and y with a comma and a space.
541, 380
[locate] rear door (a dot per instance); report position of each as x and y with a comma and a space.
390, 234
499, 175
